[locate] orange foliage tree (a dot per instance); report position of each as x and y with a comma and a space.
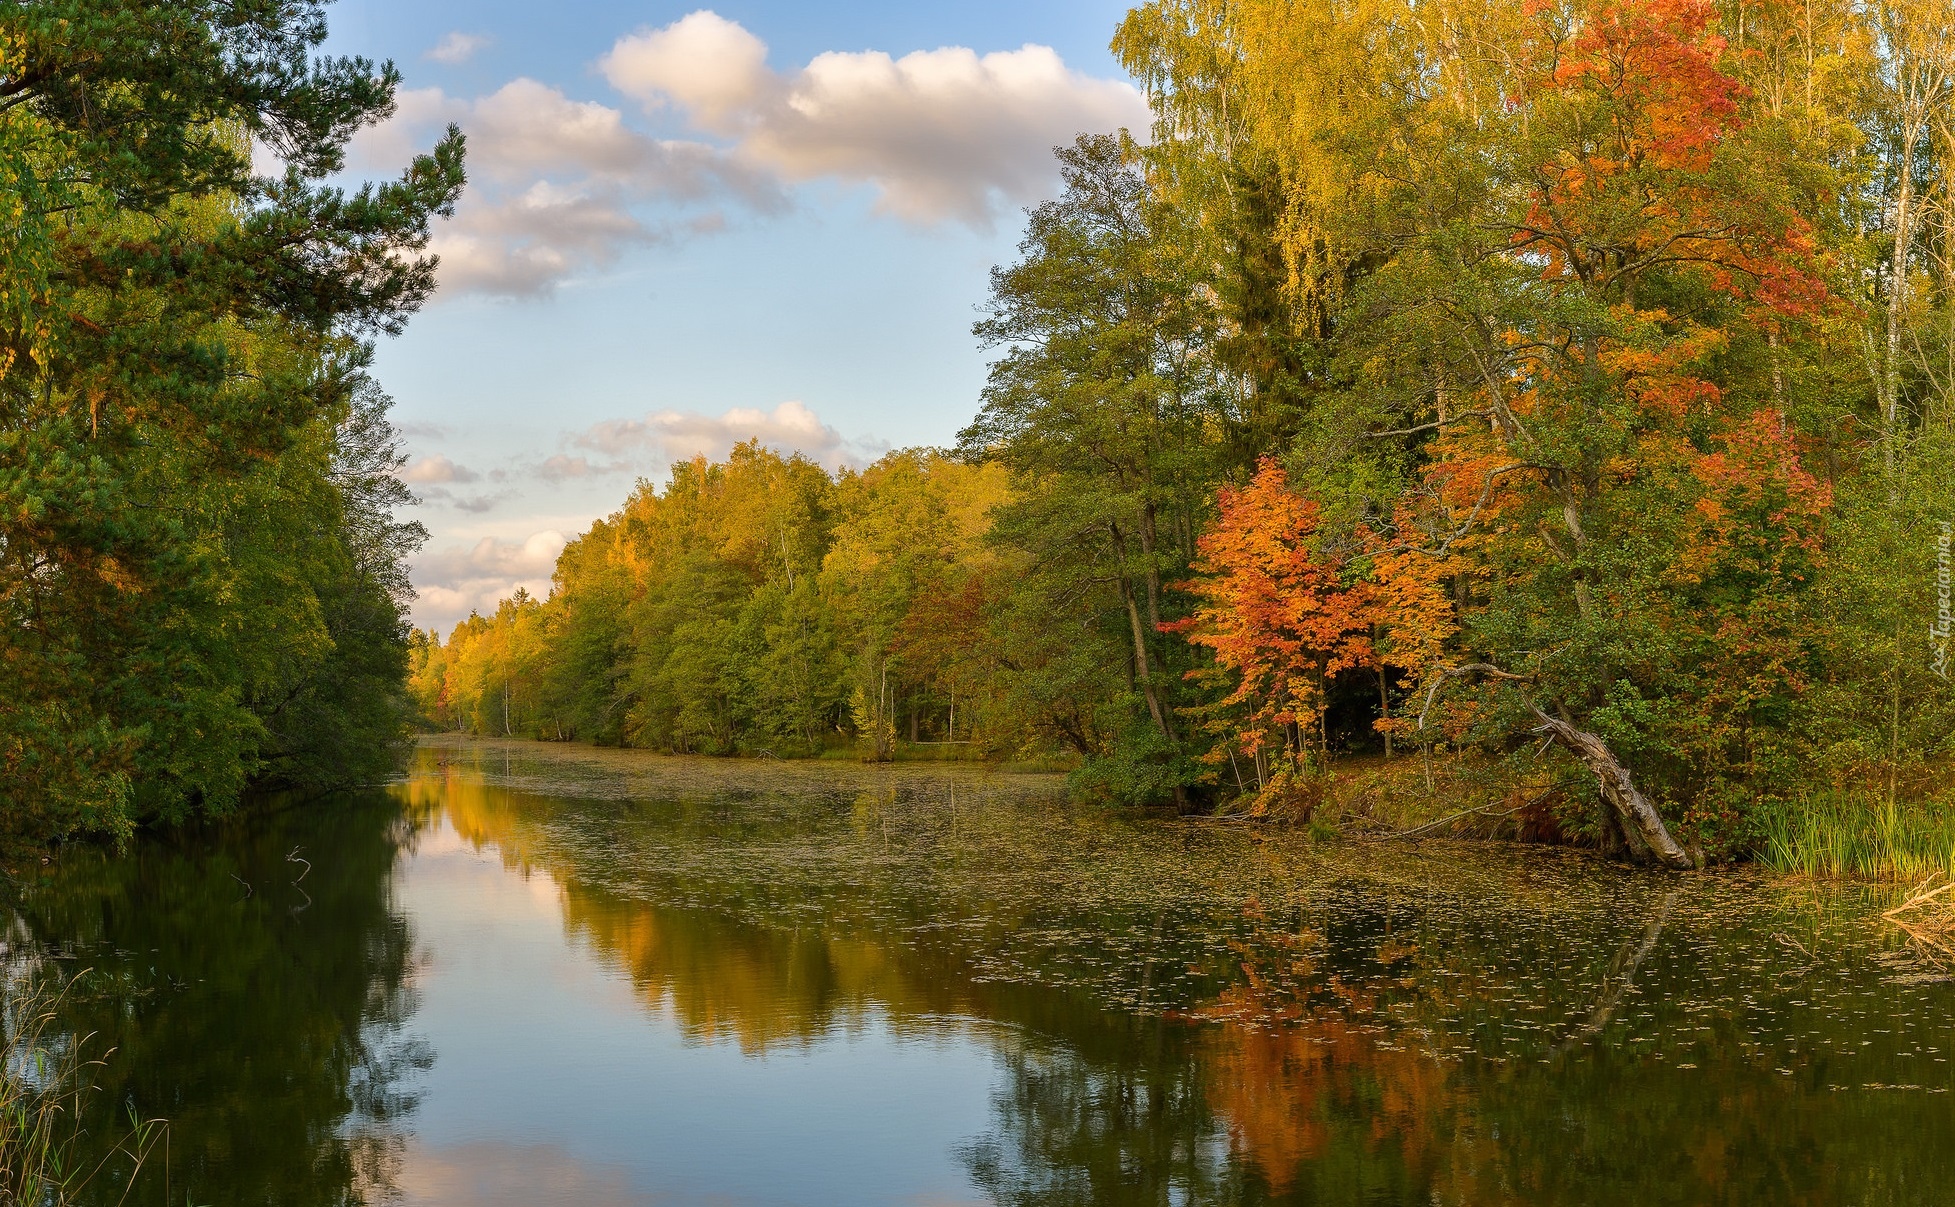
1281, 619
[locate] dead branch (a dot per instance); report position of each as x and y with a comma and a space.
1640, 820
1417, 830
1920, 898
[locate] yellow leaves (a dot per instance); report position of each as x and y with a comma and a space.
112, 572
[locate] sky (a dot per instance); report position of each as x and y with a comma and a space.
687, 227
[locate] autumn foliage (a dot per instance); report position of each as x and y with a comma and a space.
1280, 616
1452, 377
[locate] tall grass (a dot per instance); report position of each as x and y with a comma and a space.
1858, 835
45, 1081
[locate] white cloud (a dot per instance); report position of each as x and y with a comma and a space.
562, 188
454, 581
457, 48
429, 471
564, 467
528, 244
478, 504
940, 134
709, 65
557, 184
525, 128
668, 436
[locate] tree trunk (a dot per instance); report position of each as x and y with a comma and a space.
1649, 839
885, 723
1143, 663
1153, 568
1890, 372
1385, 707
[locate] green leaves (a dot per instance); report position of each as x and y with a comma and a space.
191, 557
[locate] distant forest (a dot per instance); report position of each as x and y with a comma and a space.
1562, 380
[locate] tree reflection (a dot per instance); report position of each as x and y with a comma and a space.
1123, 1120
265, 1021
1539, 1040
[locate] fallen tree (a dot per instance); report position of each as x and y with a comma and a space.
1648, 839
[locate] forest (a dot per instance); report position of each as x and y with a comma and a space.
1564, 391
202, 575
1565, 388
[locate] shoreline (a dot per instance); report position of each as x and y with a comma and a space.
1371, 799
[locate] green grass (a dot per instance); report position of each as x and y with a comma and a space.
1856, 835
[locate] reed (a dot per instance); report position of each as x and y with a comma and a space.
1860, 836
46, 1079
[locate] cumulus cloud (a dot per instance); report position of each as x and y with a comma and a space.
563, 188
457, 48
558, 184
429, 471
457, 580
709, 65
528, 244
664, 437
940, 134
433, 475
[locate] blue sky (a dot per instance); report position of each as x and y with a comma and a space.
687, 226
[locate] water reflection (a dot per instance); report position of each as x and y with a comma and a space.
512, 1175
266, 1020
590, 977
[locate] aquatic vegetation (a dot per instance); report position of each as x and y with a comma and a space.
1859, 834
47, 1078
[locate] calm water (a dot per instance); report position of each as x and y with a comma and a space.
536, 975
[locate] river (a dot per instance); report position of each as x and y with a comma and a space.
540, 974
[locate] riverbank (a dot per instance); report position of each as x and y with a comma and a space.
1836, 834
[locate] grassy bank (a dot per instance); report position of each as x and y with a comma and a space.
1851, 833
1859, 835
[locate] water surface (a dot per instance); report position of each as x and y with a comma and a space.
542, 974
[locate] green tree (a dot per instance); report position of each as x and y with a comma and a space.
1106, 406
180, 356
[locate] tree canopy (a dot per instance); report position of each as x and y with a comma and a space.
201, 579
1459, 374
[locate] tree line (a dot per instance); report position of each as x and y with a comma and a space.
201, 572
1572, 380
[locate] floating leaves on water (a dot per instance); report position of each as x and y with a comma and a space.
967, 883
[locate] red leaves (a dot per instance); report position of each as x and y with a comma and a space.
1279, 618
1636, 115
1656, 69
1284, 619
1759, 502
